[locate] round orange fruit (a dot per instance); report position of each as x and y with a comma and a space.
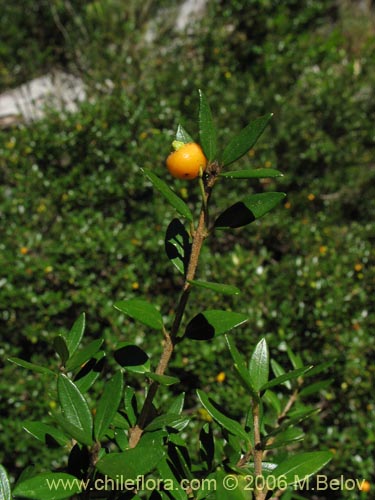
187, 161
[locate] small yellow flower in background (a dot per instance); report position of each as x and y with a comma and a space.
365, 486
135, 242
64, 196
184, 193
143, 135
251, 153
135, 285
358, 267
228, 75
48, 269
204, 415
79, 127
220, 377
216, 50
52, 405
11, 143
287, 205
323, 249
267, 164
24, 250
311, 197
41, 208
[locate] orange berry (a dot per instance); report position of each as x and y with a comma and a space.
365, 486
186, 162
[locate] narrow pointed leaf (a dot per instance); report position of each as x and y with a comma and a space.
245, 140
241, 368
229, 424
46, 433
259, 365
302, 465
183, 136
176, 404
61, 348
132, 358
133, 462
48, 486
108, 405
212, 323
286, 377
72, 430
74, 407
207, 130
289, 436
31, 366
130, 403
90, 372
177, 245
256, 173
74, 336
216, 287
80, 357
314, 388
166, 473
166, 420
4, 485
248, 210
142, 311
169, 195
163, 379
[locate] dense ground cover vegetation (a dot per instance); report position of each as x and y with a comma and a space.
72, 242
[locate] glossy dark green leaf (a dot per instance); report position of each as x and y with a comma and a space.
90, 372
259, 365
172, 198
322, 367
240, 367
72, 431
108, 405
5, 492
48, 486
183, 136
256, 173
212, 323
177, 245
302, 466
166, 420
229, 424
216, 287
80, 357
133, 462
59, 344
74, 407
74, 336
166, 473
142, 311
245, 140
286, 377
176, 404
31, 366
48, 434
130, 403
289, 436
248, 210
295, 359
163, 379
207, 129
132, 357
314, 388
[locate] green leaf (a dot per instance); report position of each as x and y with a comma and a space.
61, 348
230, 425
207, 130
31, 366
245, 140
79, 358
166, 420
241, 368
177, 245
259, 365
73, 431
167, 474
46, 433
289, 436
302, 466
248, 210
74, 336
133, 462
132, 358
314, 388
89, 373
256, 173
183, 136
142, 311
4, 485
74, 407
169, 195
286, 377
130, 403
212, 323
108, 405
48, 486
165, 380
176, 404
216, 287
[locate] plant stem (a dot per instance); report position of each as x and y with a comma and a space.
260, 494
170, 339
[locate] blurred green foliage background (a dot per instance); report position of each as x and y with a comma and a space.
82, 228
